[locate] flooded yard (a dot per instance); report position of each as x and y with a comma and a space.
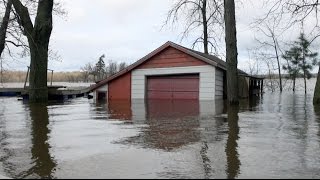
276, 136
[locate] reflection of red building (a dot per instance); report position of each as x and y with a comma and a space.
120, 110
172, 123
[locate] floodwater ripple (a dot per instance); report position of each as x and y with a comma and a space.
275, 136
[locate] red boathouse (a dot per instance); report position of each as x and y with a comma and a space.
173, 72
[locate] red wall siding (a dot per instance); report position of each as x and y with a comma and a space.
171, 57
120, 88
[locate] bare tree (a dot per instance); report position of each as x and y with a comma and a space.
14, 32
253, 63
86, 71
112, 68
38, 35
205, 14
269, 31
267, 59
231, 51
122, 66
4, 26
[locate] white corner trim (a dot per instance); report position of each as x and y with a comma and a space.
103, 88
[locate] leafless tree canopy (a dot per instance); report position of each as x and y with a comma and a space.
15, 35
291, 12
202, 16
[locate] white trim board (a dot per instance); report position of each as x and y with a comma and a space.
100, 89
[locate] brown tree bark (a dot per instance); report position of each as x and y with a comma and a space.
231, 51
205, 27
4, 26
38, 38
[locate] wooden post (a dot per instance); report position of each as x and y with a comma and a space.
25, 82
258, 87
250, 87
261, 87
51, 76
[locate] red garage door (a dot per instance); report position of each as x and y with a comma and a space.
173, 87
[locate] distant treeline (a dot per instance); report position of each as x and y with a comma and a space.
20, 76
88, 73
82, 76
276, 76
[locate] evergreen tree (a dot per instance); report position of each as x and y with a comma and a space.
309, 59
293, 57
300, 60
100, 68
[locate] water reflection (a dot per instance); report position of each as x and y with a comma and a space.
233, 161
43, 163
6, 153
171, 124
120, 110
208, 170
317, 119
274, 137
24, 150
250, 104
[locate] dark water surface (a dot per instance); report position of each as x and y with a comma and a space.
277, 136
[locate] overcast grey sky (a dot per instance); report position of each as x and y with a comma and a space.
126, 30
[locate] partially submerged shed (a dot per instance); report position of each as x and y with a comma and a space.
174, 72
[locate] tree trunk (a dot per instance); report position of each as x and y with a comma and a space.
231, 51
270, 77
38, 39
304, 72
278, 60
294, 84
205, 27
316, 97
38, 90
305, 83
4, 26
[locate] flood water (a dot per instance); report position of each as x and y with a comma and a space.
276, 136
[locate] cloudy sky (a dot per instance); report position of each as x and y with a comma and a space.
125, 31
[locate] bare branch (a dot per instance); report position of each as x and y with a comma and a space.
16, 45
199, 15
25, 18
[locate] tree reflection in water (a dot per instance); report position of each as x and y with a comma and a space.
44, 164
233, 161
175, 124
